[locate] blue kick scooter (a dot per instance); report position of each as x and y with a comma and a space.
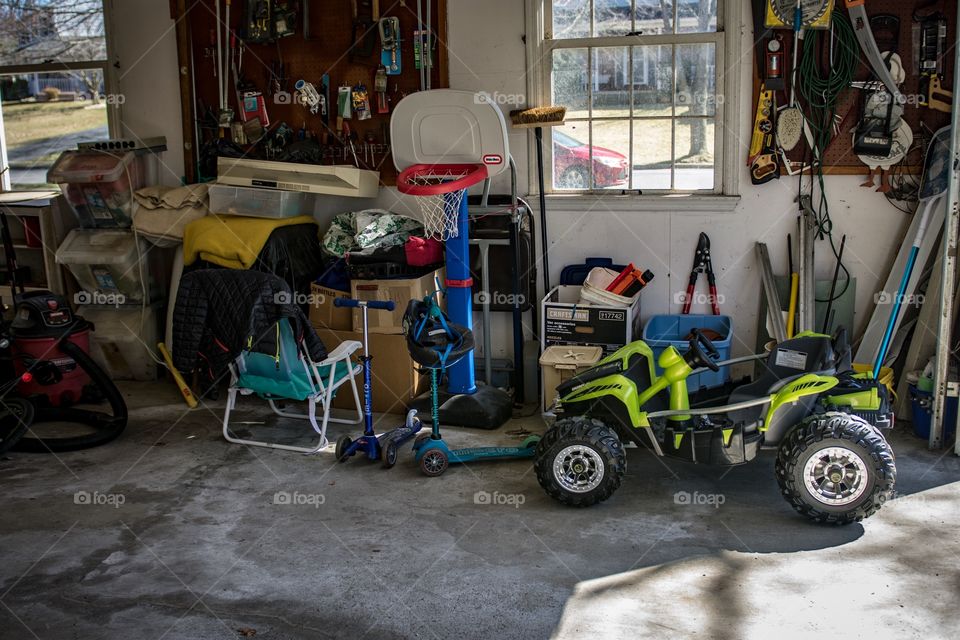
386, 446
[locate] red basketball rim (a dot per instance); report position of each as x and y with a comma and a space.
470, 174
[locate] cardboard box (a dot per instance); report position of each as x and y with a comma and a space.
563, 320
395, 380
400, 292
322, 312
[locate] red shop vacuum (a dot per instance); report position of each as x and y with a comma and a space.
43, 321
45, 357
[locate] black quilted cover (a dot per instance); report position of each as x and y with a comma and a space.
219, 311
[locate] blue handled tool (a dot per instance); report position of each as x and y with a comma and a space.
933, 186
386, 446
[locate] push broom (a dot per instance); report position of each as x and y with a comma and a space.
537, 118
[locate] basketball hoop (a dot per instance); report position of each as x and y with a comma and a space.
439, 189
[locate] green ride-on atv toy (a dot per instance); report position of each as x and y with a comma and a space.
833, 463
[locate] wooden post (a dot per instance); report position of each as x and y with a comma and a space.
179, 14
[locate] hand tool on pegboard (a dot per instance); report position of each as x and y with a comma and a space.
773, 73
259, 21
702, 263
929, 36
762, 160
284, 20
364, 31
305, 14
380, 88
763, 114
389, 27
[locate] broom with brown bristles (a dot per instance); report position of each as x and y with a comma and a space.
536, 118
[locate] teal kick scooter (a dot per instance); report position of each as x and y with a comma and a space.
434, 343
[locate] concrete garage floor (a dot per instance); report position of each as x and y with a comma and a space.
170, 532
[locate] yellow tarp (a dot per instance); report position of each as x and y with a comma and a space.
231, 241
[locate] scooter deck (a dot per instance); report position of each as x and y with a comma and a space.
399, 435
470, 454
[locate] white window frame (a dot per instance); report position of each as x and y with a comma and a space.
105, 66
725, 196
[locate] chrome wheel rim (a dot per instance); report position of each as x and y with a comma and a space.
836, 476
578, 468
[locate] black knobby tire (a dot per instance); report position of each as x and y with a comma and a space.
339, 452
584, 435
389, 454
843, 432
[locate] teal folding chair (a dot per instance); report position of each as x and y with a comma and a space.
291, 375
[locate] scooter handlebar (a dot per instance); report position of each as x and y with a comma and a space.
385, 305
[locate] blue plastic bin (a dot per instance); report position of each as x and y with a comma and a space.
921, 414
664, 331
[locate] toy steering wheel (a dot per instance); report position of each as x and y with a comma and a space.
704, 350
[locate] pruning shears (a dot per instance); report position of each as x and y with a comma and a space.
702, 264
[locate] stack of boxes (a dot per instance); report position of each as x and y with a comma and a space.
396, 380
117, 273
582, 323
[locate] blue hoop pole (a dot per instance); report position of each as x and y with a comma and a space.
460, 298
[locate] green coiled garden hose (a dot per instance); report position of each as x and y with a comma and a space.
821, 91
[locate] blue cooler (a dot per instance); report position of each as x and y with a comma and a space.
921, 414
665, 331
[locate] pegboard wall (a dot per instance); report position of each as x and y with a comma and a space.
322, 45
840, 157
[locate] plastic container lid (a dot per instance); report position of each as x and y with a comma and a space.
98, 246
73, 167
570, 356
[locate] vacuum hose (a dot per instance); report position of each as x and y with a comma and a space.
107, 427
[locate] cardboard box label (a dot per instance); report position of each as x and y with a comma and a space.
566, 322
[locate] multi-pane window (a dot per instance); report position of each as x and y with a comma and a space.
641, 84
53, 67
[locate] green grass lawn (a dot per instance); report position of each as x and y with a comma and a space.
28, 122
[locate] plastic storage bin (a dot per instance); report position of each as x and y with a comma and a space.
559, 364
921, 413
107, 265
99, 186
120, 338
664, 331
594, 289
575, 274
259, 203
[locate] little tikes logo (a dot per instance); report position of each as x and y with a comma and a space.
492, 158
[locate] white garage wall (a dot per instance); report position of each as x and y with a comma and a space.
487, 54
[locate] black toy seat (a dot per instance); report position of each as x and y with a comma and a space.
790, 359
